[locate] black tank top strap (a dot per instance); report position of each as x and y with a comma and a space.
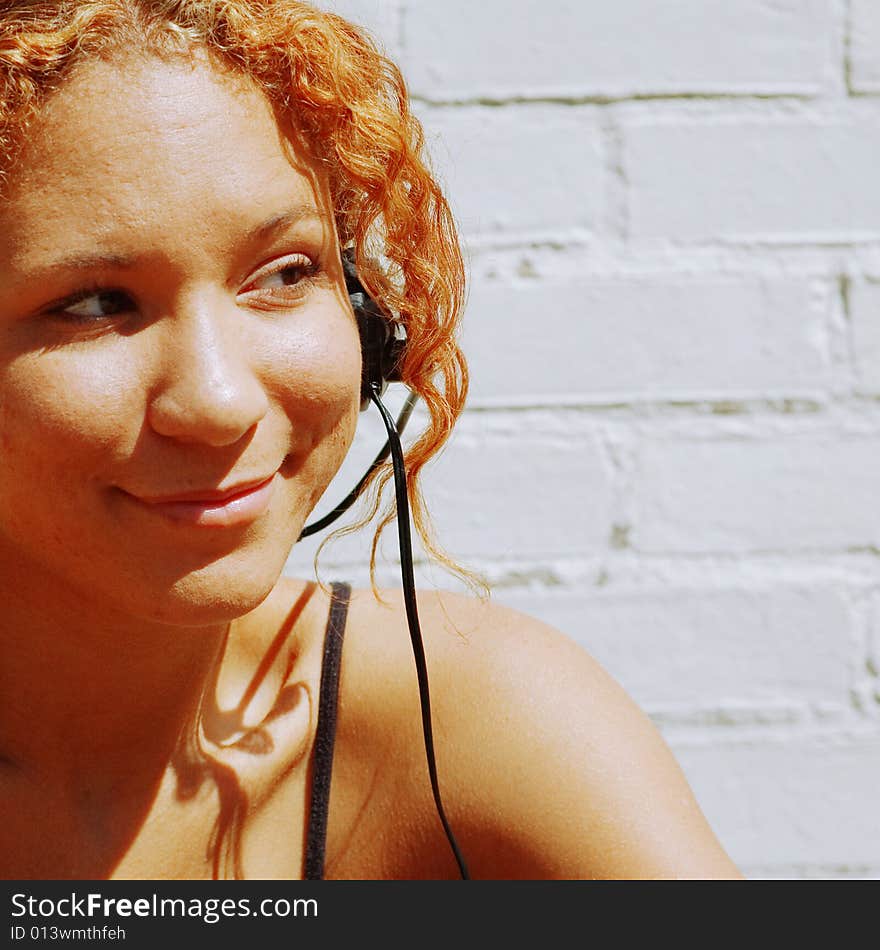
325, 733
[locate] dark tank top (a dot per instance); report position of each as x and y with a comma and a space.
325, 734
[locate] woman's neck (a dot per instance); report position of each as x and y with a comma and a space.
90, 696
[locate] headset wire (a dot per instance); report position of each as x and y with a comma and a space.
412, 613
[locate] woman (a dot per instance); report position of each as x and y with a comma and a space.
180, 378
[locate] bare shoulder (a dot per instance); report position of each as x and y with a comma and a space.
547, 768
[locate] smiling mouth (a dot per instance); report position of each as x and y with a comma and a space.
239, 505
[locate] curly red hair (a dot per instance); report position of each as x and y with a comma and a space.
349, 104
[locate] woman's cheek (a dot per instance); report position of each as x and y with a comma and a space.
319, 371
88, 402
319, 387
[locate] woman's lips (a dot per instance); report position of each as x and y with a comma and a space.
213, 508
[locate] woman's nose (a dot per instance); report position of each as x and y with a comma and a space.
208, 390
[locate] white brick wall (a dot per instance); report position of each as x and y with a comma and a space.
865, 41
810, 797
672, 449
503, 49
792, 492
646, 337
767, 176
528, 169
864, 298
712, 650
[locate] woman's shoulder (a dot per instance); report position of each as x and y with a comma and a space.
544, 762
482, 657
479, 655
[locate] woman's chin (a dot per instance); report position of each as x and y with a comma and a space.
208, 597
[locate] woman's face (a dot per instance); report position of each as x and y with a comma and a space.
179, 365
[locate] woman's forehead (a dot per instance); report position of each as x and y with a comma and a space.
147, 142
133, 106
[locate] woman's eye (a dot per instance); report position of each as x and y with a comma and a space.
291, 274
286, 277
95, 305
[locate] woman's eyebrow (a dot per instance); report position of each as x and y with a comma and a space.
106, 261
284, 219
88, 262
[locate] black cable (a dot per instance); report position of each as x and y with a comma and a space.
393, 448
412, 614
351, 497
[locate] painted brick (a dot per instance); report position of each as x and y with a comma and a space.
644, 337
568, 48
869, 670
779, 178
681, 648
380, 18
864, 303
791, 799
865, 45
502, 174
793, 493
499, 494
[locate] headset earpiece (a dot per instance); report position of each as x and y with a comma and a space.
383, 339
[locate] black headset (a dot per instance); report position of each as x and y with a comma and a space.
383, 346
383, 339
